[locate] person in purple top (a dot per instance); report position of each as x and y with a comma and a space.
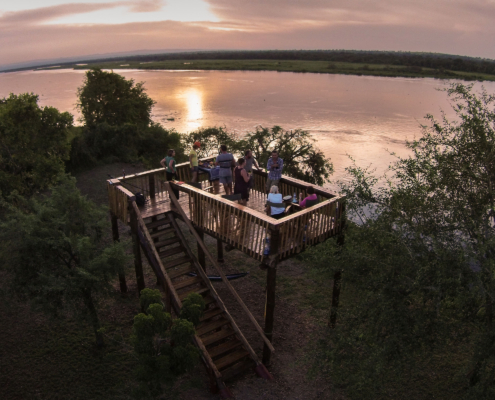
274, 166
312, 196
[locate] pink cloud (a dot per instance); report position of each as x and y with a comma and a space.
453, 26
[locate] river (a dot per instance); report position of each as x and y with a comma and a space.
358, 116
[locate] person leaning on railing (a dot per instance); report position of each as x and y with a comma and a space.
169, 164
274, 166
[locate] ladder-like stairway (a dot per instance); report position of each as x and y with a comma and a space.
226, 352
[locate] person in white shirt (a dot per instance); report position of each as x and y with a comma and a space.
275, 197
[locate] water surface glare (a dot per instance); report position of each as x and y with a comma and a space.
364, 117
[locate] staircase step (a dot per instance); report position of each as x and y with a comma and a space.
183, 295
215, 337
170, 252
187, 282
162, 232
166, 242
211, 326
174, 273
224, 348
176, 262
237, 369
209, 299
158, 223
210, 314
231, 359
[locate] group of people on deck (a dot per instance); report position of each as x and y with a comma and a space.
244, 179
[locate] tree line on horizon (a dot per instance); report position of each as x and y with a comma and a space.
408, 59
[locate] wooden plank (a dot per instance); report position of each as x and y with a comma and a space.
237, 369
177, 262
175, 273
161, 232
208, 300
224, 348
183, 295
187, 282
217, 336
230, 359
210, 314
211, 326
170, 252
167, 242
157, 223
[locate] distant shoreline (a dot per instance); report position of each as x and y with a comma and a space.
321, 67
369, 63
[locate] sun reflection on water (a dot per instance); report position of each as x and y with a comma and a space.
194, 105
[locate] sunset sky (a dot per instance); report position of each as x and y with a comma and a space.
46, 29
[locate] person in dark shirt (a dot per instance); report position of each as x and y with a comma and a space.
241, 181
169, 164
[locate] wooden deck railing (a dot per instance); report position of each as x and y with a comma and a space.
148, 182
240, 226
248, 229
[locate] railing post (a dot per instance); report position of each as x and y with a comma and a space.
151, 179
220, 250
116, 238
271, 280
138, 264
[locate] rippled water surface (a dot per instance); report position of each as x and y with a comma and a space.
364, 117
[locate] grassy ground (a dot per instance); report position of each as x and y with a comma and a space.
40, 359
324, 67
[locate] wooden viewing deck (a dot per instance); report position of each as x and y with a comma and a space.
243, 227
225, 351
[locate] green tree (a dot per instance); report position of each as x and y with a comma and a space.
117, 114
163, 345
211, 139
109, 97
421, 261
55, 249
302, 159
34, 143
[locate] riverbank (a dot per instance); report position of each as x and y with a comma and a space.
301, 66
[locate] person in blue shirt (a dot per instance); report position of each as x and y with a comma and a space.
226, 162
274, 166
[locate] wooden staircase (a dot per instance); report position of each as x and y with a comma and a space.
225, 351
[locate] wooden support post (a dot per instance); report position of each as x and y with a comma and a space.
201, 253
337, 278
138, 264
220, 250
152, 185
154, 219
116, 238
271, 280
